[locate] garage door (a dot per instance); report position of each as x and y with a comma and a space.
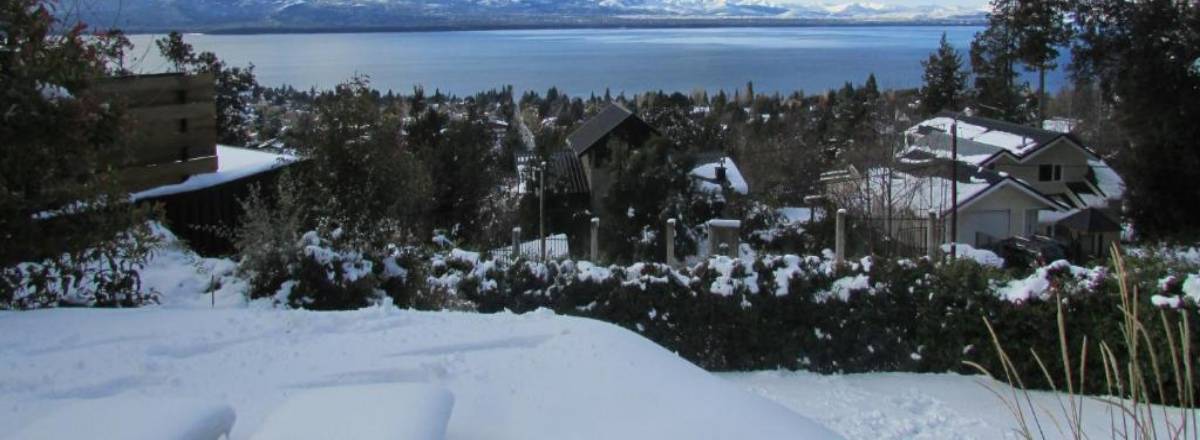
981, 228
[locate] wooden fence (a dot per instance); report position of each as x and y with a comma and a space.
174, 132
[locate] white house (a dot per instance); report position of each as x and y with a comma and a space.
1057, 164
991, 206
1013, 180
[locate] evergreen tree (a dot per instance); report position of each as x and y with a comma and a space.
1143, 54
993, 60
359, 176
60, 149
649, 187
236, 87
464, 171
944, 80
1041, 28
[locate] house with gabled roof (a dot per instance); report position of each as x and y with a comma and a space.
1057, 164
598, 138
991, 206
1044, 165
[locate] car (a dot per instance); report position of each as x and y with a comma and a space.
1029, 251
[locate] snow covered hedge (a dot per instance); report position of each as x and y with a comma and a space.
805, 312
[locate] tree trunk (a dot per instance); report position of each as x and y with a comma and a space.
1041, 96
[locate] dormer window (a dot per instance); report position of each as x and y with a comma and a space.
1050, 173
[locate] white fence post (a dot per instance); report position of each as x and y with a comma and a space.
595, 240
839, 246
516, 247
671, 241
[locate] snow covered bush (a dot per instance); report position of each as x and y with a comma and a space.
103, 275
267, 238
331, 276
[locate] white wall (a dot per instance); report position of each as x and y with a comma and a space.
1061, 152
1008, 199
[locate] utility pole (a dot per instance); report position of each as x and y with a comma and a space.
542, 208
954, 188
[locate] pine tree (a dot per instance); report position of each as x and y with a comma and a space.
359, 176
993, 60
945, 80
236, 87
1142, 54
1041, 28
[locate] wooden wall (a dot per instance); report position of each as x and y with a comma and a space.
206, 218
174, 129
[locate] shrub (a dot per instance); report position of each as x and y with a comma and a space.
330, 277
103, 275
806, 312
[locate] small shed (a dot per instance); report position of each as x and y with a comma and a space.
1090, 231
724, 237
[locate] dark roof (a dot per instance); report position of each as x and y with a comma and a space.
564, 173
594, 129
1090, 220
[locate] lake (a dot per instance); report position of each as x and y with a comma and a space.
582, 61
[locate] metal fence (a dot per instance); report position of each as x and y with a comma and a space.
557, 247
894, 236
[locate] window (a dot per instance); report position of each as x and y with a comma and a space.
1050, 173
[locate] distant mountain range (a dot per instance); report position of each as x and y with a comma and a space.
283, 15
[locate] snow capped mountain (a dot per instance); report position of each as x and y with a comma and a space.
215, 14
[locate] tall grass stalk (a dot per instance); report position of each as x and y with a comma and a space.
1130, 399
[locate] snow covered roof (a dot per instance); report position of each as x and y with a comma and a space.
705, 175
981, 140
1107, 180
233, 163
924, 189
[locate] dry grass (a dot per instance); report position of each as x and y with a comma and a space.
1129, 395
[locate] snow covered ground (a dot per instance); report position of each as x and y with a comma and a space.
532, 376
885, 406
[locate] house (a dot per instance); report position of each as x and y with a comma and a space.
1057, 164
991, 206
717, 173
1013, 181
596, 141
176, 162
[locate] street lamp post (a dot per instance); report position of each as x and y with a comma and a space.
542, 208
954, 188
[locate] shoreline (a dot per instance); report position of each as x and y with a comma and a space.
484, 27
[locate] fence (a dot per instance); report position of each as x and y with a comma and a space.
557, 247
893, 236
174, 131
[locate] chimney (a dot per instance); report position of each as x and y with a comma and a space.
721, 172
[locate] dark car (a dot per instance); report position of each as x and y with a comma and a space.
1029, 251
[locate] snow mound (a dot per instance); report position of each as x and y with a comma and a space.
981, 256
531, 376
129, 418
393, 412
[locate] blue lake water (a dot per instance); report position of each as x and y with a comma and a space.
581, 61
